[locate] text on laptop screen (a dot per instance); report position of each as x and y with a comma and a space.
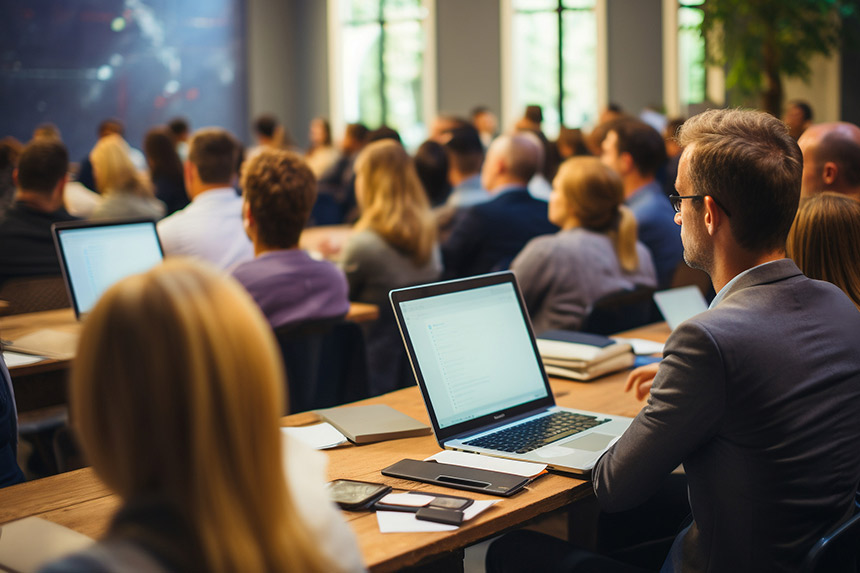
97, 257
474, 351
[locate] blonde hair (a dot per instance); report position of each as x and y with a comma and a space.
176, 391
392, 200
594, 194
824, 241
114, 171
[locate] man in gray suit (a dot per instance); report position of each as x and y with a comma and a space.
758, 397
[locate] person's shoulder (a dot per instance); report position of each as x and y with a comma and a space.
107, 557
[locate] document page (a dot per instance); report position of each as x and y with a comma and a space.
474, 351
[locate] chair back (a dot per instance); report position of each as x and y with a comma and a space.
621, 310
839, 550
325, 362
32, 294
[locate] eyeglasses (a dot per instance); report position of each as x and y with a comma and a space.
676, 202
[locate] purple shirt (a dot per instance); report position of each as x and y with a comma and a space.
290, 286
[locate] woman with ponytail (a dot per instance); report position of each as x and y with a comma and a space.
594, 254
175, 396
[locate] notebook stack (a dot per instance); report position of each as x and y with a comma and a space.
582, 356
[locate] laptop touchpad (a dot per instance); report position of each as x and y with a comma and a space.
592, 442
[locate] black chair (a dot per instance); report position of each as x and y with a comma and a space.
325, 362
621, 310
839, 550
32, 294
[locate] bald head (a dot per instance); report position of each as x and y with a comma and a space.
511, 160
831, 159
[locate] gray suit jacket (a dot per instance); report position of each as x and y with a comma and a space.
759, 398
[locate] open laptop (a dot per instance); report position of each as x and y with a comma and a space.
473, 352
96, 254
678, 304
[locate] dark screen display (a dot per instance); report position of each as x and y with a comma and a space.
143, 62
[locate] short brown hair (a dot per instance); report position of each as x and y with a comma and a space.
42, 165
749, 163
214, 152
644, 144
280, 190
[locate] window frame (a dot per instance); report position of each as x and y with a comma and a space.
510, 110
428, 71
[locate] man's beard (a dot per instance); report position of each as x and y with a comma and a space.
697, 253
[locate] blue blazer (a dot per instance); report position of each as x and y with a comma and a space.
488, 236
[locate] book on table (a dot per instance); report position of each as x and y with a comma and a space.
582, 356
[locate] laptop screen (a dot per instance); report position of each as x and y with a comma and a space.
474, 350
678, 304
96, 255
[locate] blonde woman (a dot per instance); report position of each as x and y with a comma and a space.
127, 193
394, 246
594, 254
175, 396
824, 241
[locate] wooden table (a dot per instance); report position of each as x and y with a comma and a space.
43, 384
79, 501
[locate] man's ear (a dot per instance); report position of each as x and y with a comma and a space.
626, 162
714, 216
15, 177
248, 221
829, 173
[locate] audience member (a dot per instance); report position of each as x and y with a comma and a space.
824, 241
532, 119
108, 127
381, 133
394, 246
210, 227
127, 193
486, 123
431, 164
10, 473
165, 168
339, 180
570, 143
465, 155
798, 117
287, 284
25, 232
78, 200
488, 236
175, 396
539, 185
595, 253
268, 132
180, 131
673, 153
754, 396
610, 113
831, 159
442, 124
636, 151
322, 153
10, 151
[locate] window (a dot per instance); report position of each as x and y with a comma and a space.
382, 65
551, 54
691, 53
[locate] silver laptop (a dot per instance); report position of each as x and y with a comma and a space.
473, 352
678, 304
96, 254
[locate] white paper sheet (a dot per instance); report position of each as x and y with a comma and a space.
407, 499
467, 460
641, 346
18, 359
319, 436
404, 522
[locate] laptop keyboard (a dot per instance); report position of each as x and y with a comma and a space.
532, 435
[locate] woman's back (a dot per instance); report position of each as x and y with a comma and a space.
177, 372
